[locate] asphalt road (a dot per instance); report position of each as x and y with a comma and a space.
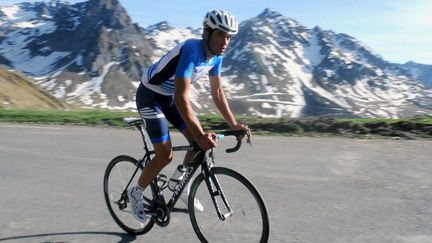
316, 189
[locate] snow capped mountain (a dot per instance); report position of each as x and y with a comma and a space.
164, 37
90, 54
289, 70
18, 23
419, 71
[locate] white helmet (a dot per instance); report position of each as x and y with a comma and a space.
222, 20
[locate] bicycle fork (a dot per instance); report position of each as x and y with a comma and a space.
215, 190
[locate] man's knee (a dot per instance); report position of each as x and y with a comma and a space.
165, 158
164, 153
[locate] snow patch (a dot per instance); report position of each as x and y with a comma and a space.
86, 89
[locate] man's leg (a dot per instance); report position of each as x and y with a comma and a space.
163, 156
190, 155
173, 116
148, 104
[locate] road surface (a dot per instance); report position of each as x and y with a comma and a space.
316, 189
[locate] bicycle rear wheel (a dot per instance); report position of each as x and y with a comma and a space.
246, 222
116, 178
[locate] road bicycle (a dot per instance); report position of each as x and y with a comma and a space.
234, 210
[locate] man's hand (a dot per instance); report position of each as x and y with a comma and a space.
244, 127
207, 141
241, 126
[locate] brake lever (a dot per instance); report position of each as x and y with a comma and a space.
249, 140
248, 134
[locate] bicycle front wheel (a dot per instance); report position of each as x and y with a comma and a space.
244, 214
117, 176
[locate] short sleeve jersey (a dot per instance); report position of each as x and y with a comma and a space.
186, 60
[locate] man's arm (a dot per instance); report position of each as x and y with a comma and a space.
220, 100
221, 103
181, 99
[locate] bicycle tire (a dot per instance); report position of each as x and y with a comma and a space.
117, 174
242, 197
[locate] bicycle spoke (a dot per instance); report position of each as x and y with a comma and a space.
117, 177
247, 221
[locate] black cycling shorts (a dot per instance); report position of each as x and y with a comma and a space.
157, 110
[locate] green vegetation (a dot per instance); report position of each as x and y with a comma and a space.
427, 119
82, 117
407, 128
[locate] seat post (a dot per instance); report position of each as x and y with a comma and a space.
141, 129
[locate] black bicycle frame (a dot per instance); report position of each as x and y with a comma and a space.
192, 167
200, 159
212, 181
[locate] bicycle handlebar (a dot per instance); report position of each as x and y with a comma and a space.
238, 135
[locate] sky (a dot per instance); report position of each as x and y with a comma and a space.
398, 30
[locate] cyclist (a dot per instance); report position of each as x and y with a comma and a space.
164, 94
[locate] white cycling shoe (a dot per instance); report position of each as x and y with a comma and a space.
138, 206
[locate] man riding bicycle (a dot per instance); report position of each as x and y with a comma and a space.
163, 95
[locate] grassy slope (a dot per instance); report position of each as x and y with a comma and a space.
16, 91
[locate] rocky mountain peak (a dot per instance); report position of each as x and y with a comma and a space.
161, 26
272, 16
419, 71
108, 13
270, 13
58, 3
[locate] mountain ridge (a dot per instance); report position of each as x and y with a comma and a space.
90, 54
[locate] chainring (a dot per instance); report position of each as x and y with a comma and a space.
161, 212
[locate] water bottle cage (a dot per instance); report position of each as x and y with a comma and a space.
162, 181
177, 177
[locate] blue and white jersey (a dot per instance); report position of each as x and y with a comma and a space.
186, 60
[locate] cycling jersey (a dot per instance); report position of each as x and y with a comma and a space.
186, 60
155, 101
